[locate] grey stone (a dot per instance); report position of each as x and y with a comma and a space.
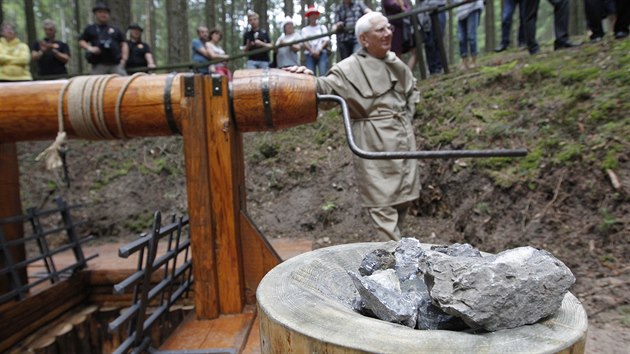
387, 279
432, 317
458, 250
359, 306
513, 288
408, 254
381, 294
429, 316
379, 259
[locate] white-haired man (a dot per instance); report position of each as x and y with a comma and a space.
381, 94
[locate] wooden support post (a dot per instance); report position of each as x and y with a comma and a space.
10, 205
199, 199
224, 184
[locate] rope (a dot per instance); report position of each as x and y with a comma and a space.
85, 113
121, 93
52, 153
85, 106
97, 101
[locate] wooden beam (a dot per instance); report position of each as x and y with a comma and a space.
199, 199
32, 114
10, 205
224, 192
37, 310
258, 256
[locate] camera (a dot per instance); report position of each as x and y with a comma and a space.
105, 43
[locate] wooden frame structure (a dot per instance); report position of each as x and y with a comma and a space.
229, 253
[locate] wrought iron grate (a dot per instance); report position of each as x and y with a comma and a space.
11, 268
176, 280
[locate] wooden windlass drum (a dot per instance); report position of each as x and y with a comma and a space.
273, 99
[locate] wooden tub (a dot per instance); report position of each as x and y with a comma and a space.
304, 307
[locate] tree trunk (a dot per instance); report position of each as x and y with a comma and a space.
451, 35
31, 32
1, 13
76, 54
177, 24
211, 15
260, 7
288, 8
489, 26
150, 29
120, 14
228, 43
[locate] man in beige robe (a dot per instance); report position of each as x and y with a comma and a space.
381, 94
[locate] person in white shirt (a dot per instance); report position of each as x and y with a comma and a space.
316, 50
288, 55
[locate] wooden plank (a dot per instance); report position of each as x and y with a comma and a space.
224, 332
199, 203
104, 277
224, 194
259, 257
252, 346
291, 247
107, 277
10, 205
36, 311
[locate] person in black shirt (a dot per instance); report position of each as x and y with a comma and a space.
50, 54
140, 55
256, 38
105, 45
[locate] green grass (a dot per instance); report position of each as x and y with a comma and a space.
567, 111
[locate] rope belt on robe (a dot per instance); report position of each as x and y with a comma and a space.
386, 113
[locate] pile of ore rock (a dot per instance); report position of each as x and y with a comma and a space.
456, 288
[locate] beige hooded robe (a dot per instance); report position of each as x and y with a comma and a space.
381, 96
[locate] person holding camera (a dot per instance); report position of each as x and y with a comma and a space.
256, 38
105, 45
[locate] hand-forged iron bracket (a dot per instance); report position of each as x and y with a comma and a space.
420, 154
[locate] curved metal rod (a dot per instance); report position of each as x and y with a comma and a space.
419, 154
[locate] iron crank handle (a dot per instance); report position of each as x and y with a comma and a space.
420, 154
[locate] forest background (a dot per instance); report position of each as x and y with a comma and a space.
170, 25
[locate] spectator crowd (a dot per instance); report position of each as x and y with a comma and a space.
108, 50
